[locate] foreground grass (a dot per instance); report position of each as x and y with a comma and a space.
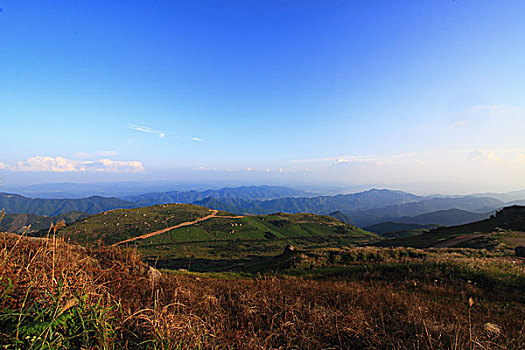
54, 295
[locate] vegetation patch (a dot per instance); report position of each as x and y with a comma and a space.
57, 295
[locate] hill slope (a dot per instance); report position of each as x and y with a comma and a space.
506, 229
56, 295
448, 217
392, 212
116, 225
16, 204
389, 227
212, 241
18, 223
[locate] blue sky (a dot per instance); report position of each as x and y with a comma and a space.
347, 92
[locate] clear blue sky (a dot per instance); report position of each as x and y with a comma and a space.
386, 92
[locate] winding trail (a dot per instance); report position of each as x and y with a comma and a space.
187, 223
457, 240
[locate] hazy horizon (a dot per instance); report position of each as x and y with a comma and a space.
425, 97
133, 187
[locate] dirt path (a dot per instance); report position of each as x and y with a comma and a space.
457, 240
187, 223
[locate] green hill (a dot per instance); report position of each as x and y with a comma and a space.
117, 225
18, 223
385, 228
341, 217
16, 204
504, 230
219, 242
448, 217
438, 210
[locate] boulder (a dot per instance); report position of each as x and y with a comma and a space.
289, 249
520, 251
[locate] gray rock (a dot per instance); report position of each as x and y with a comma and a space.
520, 251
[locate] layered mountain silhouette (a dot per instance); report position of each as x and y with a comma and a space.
504, 229
345, 203
16, 204
243, 193
361, 209
20, 223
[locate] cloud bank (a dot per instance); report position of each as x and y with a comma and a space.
61, 165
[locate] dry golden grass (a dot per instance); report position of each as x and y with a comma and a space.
133, 310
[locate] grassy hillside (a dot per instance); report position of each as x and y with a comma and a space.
220, 242
505, 230
341, 217
18, 223
116, 225
55, 295
16, 204
389, 227
236, 244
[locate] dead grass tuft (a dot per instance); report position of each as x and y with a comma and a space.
125, 305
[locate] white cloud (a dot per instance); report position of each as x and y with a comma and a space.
493, 110
61, 164
118, 166
352, 160
82, 155
197, 139
349, 160
315, 160
107, 153
502, 166
481, 154
145, 129
53, 164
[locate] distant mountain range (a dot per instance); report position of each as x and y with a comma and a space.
362, 209
243, 193
370, 207
448, 217
504, 230
504, 197
345, 203
480, 205
16, 204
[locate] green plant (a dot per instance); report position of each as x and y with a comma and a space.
56, 321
